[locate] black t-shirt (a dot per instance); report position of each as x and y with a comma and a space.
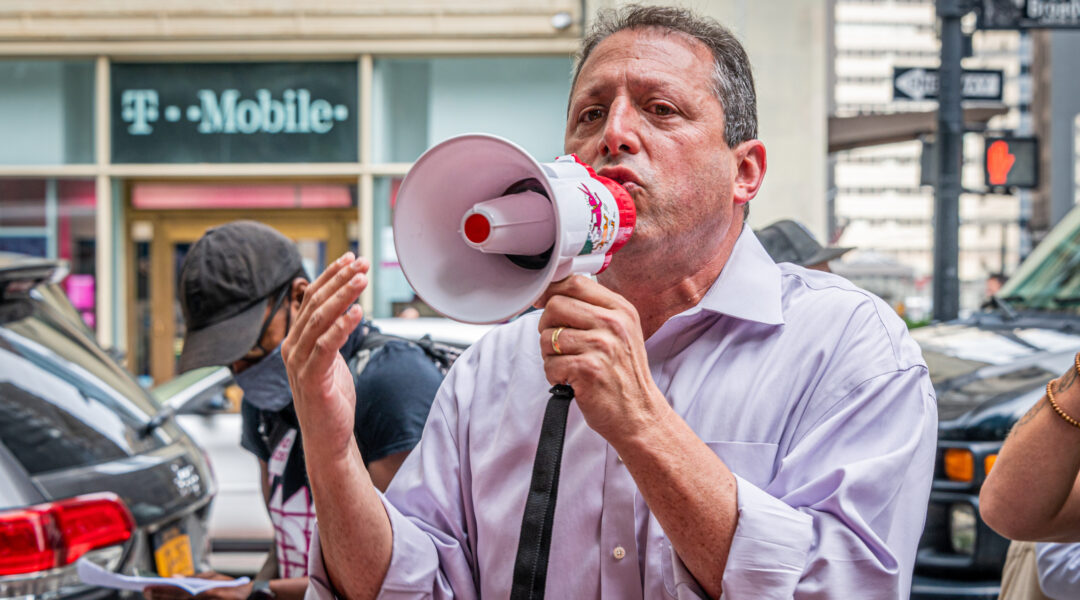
394, 392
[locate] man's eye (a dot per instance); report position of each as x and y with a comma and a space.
663, 110
591, 115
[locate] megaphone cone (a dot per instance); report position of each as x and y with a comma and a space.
481, 228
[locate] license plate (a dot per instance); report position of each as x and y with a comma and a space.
172, 553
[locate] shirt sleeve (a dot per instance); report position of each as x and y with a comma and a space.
394, 394
1059, 569
845, 508
250, 438
430, 510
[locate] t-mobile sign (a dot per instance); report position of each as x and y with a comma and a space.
234, 112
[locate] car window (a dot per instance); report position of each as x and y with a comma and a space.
63, 402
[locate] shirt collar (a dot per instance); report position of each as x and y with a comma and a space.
748, 287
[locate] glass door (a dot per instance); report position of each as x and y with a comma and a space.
161, 241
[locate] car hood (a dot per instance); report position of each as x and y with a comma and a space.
988, 371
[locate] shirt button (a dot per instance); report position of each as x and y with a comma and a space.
618, 458
619, 553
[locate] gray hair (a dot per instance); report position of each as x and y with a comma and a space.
733, 81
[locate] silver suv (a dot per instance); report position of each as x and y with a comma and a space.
86, 470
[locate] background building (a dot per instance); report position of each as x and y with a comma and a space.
132, 127
880, 205
1057, 124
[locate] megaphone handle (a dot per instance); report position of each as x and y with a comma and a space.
534, 542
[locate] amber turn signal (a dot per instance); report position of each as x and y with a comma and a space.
959, 464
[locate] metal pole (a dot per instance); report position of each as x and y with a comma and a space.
950, 138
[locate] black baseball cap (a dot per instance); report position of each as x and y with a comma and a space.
226, 282
789, 241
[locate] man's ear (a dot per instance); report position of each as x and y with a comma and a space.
299, 288
749, 170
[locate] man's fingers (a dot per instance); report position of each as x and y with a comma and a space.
334, 267
561, 341
562, 311
572, 369
325, 349
323, 315
575, 342
331, 271
327, 285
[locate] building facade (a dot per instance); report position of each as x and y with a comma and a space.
880, 205
132, 127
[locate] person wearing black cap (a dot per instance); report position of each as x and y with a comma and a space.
789, 241
241, 286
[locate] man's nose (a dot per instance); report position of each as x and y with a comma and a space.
620, 135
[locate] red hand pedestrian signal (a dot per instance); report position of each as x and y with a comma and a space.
999, 162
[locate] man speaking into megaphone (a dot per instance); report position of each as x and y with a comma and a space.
739, 427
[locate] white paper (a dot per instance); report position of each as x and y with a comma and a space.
94, 574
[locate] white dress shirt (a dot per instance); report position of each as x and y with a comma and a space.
1059, 569
807, 387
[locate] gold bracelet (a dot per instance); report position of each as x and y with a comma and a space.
1057, 409
1076, 361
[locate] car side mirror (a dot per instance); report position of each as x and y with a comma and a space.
205, 391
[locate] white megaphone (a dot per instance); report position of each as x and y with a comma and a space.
481, 229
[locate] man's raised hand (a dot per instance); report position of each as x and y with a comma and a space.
322, 386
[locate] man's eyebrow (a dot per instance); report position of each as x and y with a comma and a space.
588, 93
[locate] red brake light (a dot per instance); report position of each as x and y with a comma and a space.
25, 544
57, 533
90, 522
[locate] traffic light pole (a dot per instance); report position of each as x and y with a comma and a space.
950, 140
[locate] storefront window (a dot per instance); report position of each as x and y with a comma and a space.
420, 102
54, 218
166, 219
46, 112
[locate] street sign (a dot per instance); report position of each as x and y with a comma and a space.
918, 83
1029, 14
1011, 162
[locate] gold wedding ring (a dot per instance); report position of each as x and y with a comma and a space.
555, 340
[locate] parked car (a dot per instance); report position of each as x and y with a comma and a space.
89, 464
240, 530
988, 370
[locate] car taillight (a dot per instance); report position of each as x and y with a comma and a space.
25, 544
45, 536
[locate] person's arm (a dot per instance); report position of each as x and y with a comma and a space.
429, 504
1041, 453
843, 509
354, 525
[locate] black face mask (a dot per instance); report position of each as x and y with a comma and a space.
266, 383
